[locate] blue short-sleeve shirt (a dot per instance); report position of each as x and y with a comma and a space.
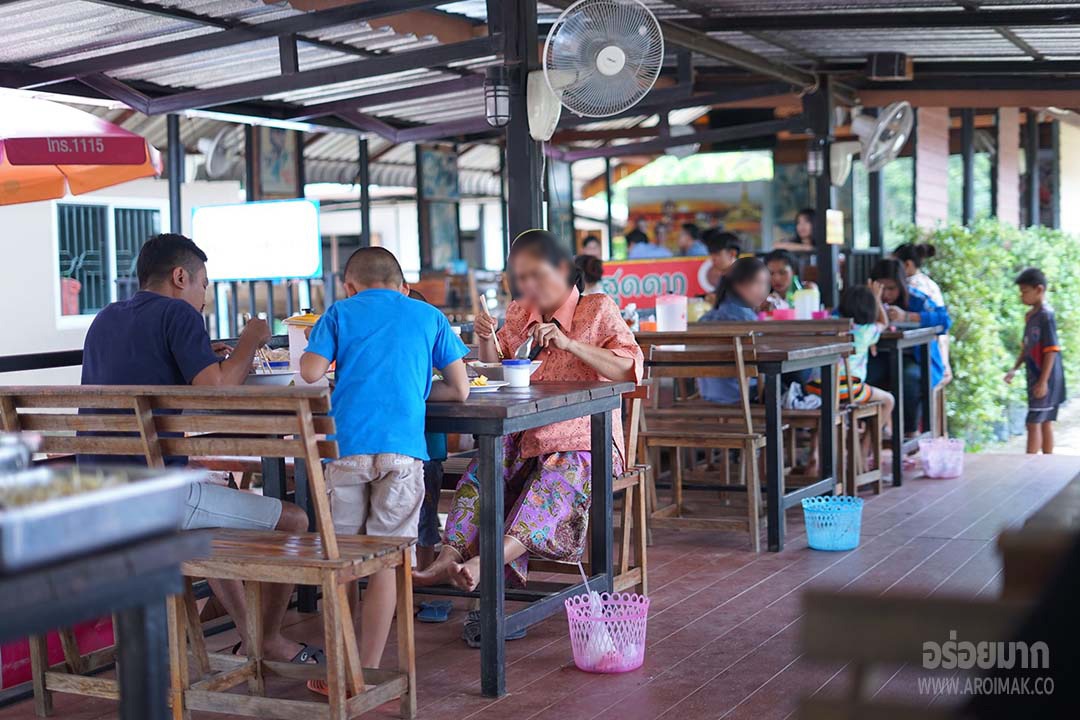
386, 346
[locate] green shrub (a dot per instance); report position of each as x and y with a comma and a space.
975, 267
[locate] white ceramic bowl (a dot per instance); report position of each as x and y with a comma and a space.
494, 371
277, 377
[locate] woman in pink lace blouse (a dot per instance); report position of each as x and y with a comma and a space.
547, 471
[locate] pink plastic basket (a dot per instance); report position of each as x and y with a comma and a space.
942, 457
607, 631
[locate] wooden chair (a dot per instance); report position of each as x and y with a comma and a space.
741, 436
856, 473
259, 421
631, 571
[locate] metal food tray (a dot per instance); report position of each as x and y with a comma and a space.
151, 502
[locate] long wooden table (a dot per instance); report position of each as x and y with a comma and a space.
492, 416
775, 356
893, 343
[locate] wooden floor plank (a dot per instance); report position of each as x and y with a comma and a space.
724, 624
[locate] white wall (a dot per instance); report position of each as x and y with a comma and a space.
30, 276
1069, 180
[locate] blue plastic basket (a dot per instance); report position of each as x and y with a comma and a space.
833, 523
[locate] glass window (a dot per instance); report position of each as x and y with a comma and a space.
96, 257
84, 244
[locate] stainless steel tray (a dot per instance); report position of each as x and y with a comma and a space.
150, 502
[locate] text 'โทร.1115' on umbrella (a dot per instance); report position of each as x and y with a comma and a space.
48, 150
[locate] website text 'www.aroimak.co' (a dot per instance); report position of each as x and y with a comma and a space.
934, 686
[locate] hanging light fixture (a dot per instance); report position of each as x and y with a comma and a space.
497, 96
815, 157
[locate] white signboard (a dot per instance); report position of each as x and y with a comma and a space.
270, 240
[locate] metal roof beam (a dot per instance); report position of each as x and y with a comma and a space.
654, 147
659, 101
117, 90
330, 75
416, 92
958, 18
236, 34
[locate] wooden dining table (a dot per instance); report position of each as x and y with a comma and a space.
491, 416
893, 343
774, 356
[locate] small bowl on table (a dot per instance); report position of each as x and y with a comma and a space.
494, 371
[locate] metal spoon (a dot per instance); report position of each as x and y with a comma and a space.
524, 349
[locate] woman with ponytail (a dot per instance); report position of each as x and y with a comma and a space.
912, 256
547, 471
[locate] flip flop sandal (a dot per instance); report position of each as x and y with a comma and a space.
470, 632
321, 688
436, 611
309, 652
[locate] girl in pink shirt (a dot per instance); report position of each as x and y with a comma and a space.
548, 470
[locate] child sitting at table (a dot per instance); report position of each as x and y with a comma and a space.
862, 304
385, 346
1041, 356
741, 292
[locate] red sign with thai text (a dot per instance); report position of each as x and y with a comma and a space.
101, 150
640, 281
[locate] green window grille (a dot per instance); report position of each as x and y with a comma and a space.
84, 232
132, 227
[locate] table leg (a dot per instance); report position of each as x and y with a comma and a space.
896, 382
492, 572
273, 477
143, 662
827, 436
774, 462
926, 385
600, 519
307, 596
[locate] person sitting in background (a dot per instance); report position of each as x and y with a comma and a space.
592, 270
385, 346
724, 249
863, 306
641, 248
783, 277
913, 256
592, 246
158, 337
690, 241
904, 304
742, 290
803, 240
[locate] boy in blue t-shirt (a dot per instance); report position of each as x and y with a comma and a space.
385, 346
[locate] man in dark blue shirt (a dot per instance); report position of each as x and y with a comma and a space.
158, 337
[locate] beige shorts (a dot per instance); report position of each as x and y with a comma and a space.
376, 494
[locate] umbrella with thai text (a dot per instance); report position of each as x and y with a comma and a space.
48, 150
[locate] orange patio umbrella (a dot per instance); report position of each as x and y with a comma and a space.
48, 149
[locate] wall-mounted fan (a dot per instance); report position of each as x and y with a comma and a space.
217, 161
602, 56
880, 140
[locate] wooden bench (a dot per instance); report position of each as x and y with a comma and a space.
243, 421
1031, 554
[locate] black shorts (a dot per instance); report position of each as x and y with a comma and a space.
1041, 415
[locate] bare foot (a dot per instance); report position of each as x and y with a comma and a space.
434, 574
465, 576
